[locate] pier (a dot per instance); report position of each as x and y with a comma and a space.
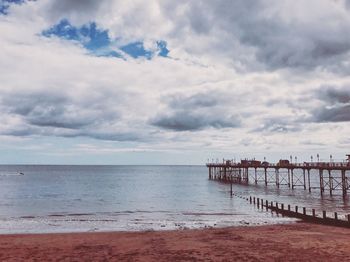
329, 177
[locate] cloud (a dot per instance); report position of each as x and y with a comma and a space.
339, 113
335, 106
282, 124
281, 38
58, 114
196, 112
187, 121
74, 9
239, 74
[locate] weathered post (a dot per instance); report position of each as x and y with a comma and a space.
277, 177
321, 181
330, 182
343, 182
256, 176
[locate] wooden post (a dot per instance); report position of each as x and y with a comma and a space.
288, 177
324, 214
308, 178
247, 177
330, 183
265, 176
231, 189
321, 181
292, 173
304, 211
296, 209
304, 179
282, 206
256, 176
343, 182
349, 218
277, 177
250, 199
267, 204
258, 202
288, 207
335, 215
313, 212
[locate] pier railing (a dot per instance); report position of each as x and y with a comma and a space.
317, 165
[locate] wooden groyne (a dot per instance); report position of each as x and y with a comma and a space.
299, 212
331, 176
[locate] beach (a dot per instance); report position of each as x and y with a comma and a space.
288, 242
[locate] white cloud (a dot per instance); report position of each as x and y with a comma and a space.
242, 76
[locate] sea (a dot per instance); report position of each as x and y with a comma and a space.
66, 198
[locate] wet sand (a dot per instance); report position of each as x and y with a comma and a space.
292, 242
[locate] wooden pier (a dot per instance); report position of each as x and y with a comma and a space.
323, 176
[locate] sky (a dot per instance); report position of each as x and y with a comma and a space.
173, 82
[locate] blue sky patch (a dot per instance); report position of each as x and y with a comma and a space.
5, 4
98, 42
162, 47
89, 35
136, 50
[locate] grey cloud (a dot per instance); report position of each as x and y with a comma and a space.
279, 42
187, 121
196, 101
75, 8
78, 12
108, 136
336, 114
196, 112
47, 110
278, 125
333, 95
53, 114
276, 41
336, 105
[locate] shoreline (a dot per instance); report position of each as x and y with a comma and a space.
287, 242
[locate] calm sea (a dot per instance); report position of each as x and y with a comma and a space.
129, 198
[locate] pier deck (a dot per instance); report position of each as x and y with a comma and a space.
330, 176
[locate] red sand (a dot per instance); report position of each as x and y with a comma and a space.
292, 242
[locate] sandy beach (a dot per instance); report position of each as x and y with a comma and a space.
292, 242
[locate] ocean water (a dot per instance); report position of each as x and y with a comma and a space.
131, 198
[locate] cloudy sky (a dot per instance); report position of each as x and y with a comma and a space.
173, 82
